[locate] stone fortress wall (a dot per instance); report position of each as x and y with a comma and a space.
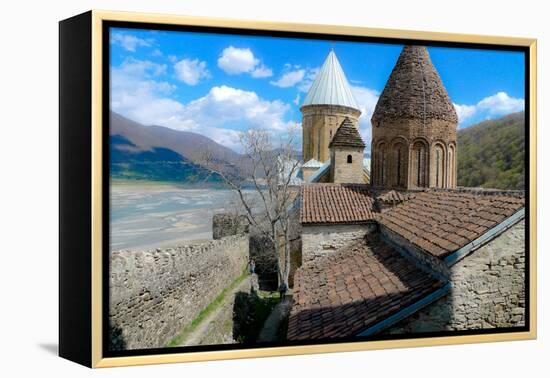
488, 290
154, 294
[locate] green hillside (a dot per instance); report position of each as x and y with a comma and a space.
491, 154
157, 164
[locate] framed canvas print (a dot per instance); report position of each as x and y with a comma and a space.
234, 189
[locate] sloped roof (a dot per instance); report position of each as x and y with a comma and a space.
343, 293
347, 135
414, 90
393, 196
441, 222
312, 163
336, 203
330, 86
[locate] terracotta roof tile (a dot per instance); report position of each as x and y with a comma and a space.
442, 221
346, 292
336, 203
393, 196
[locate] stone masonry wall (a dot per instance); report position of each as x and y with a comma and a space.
407, 134
154, 294
226, 224
320, 240
319, 124
343, 172
488, 290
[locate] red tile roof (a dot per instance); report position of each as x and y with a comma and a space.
441, 222
336, 203
344, 293
393, 196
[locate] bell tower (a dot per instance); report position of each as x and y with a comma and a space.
414, 127
328, 102
346, 155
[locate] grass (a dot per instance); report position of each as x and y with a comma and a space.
211, 307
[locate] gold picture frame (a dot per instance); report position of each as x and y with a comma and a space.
94, 21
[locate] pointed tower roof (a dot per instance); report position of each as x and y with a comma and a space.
414, 90
331, 86
347, 135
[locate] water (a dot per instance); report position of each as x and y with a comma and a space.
145, 216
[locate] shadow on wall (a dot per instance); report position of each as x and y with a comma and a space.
250, 312
262, 252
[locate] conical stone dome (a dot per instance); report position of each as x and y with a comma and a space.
414, 90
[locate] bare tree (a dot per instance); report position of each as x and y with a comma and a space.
268, 169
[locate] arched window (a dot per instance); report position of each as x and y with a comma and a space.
381, 165
418, 164
451, 167
439, 166
399, 165
349, 159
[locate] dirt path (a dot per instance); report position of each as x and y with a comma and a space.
217, 321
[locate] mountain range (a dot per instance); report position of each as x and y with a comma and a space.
490, 154
159, 153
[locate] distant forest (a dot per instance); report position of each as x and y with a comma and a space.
491, 154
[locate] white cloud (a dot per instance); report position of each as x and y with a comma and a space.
130, 42
310, 76
501, 103
191, 71
261, 72
493, 106
225, 104
465, 111
235, 61
297, 99
289, 79
138, 93
366, 99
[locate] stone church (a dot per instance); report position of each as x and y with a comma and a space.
327, 107
391, 245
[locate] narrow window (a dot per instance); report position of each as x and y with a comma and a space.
349, 159
399, 166
419, 168
439, 167
319, 144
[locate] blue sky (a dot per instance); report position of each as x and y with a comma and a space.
219, 85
